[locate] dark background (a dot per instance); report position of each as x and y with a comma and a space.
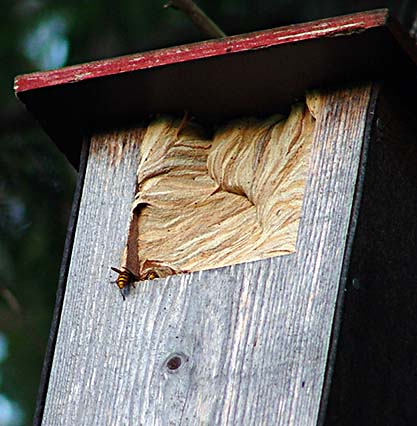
36, 181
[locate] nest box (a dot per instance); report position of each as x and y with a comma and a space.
256, 198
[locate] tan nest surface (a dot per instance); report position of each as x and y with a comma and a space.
208, 202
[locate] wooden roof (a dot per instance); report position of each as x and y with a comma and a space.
257, 74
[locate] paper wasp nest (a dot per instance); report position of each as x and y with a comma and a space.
207, 202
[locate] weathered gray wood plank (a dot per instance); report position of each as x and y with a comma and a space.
253, 337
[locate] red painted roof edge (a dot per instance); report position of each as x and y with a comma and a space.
338, 26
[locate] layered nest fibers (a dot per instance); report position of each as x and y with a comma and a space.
206, 202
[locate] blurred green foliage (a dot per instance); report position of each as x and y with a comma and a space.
36, 181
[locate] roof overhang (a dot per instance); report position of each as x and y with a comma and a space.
257, 74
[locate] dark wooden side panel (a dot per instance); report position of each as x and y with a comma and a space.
375, 378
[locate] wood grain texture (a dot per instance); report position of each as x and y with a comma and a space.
253, 338
330, 27
209, 201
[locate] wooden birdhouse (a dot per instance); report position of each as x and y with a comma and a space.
242, 189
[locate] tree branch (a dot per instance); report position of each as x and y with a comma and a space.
199, 18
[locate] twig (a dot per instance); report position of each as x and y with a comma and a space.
11, 300
200, 19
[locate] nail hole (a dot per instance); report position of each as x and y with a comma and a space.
174, 363
356, 284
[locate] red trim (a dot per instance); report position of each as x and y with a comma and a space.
338, 26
